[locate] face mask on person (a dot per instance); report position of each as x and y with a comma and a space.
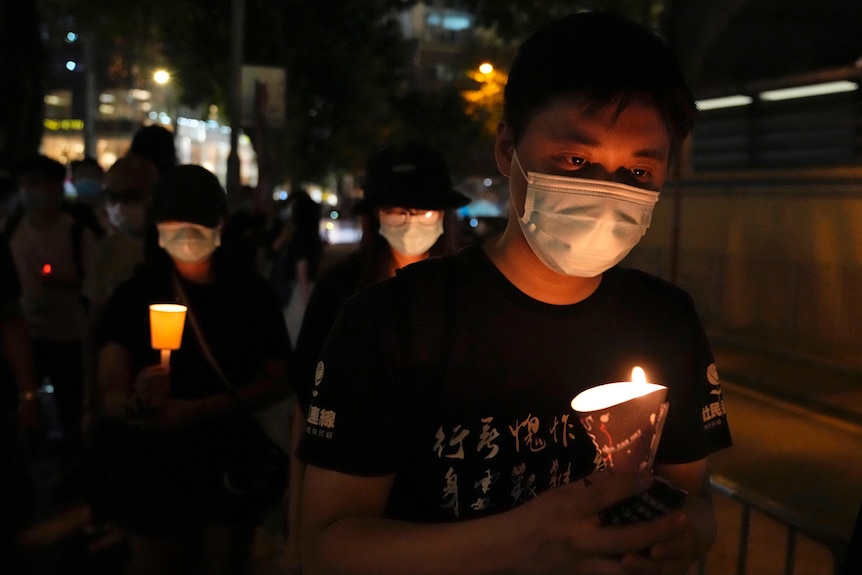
88, 190
412, 238
128, 217
581, 227
187, 242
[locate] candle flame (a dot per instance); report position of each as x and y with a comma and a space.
638, 375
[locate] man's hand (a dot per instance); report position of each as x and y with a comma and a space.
672, 556
586, 546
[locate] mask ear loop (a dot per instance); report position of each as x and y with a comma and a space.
528, 195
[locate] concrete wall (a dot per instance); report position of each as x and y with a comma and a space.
779, 255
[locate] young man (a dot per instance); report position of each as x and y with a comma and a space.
440, 436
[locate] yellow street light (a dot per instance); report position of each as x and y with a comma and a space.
161, 77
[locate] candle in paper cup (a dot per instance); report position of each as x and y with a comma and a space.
624, 420
166, 327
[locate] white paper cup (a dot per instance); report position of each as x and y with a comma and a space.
166, 325
624, 420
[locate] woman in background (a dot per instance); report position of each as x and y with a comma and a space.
407, 216
169, 425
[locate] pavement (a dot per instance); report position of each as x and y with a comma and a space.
825, 380
778, 462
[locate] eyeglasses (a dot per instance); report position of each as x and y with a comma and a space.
400, 216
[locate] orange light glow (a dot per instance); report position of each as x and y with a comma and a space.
166, 325
46, 270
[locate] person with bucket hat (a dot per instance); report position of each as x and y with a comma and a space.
408, 215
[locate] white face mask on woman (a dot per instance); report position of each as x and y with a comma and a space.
187, 242
412, 238
580, 227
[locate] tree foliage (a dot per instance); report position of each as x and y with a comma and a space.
349, 71
21, 105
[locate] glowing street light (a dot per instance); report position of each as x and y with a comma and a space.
161, 77
485, 101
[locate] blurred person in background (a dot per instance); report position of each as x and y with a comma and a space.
244, 233
169, 426
50, 246
408, 215
19, 409
129, 185
86, 176
297, 253
9, 198
156, 143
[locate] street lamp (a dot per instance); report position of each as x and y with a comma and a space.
161, 77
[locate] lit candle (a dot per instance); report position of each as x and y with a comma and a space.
624, 420
604, 396
166, 328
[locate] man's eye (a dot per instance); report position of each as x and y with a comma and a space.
576, 161
639, 172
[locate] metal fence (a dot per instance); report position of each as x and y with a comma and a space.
794, 524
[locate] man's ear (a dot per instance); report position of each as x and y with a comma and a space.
504, 147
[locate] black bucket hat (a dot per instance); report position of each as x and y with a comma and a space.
408, 175
191, 194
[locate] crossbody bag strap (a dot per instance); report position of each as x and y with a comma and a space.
202, 342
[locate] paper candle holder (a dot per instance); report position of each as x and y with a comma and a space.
167, 321
624, 421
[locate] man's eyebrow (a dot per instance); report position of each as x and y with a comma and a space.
651, 154
574, 136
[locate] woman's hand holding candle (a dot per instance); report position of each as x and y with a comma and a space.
152, 389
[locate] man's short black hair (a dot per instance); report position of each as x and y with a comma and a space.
601, 59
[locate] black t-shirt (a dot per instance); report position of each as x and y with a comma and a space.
157, 483
489, 424
331, 290
239, 316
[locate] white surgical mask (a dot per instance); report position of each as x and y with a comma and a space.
187, 242
413, 238
581, 227
88, 190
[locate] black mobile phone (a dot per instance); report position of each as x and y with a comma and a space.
660, 498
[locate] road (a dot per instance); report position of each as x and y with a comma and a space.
798, 459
